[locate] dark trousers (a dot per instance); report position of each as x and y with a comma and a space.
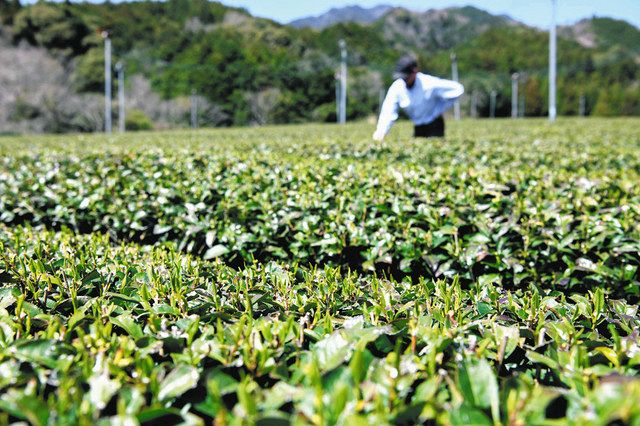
435, 129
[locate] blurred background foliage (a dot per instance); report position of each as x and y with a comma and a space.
249, 70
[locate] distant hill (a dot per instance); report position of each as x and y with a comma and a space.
431, 30
437, 29
334, 16
604, 33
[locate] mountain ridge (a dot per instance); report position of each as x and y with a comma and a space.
338, 15
428, 29
603, 32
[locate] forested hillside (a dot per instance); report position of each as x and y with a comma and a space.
247, 70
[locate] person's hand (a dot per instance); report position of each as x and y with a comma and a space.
378, 136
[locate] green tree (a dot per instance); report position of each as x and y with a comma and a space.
88, 75
8, 10
55, 27
609, 101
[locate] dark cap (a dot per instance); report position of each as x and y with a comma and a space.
405, 66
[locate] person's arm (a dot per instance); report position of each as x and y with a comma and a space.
388, 114
447, 92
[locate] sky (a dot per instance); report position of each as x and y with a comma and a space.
531, 12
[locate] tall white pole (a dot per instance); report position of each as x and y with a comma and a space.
343, 81
338, 97
107, 82
552, 64
121, 110
454, 77
514, 95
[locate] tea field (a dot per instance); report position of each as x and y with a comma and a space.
307, 275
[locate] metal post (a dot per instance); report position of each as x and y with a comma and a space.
343, 81
194, 110
524, 79
337, 82
514, 95
107, 82
121, 110
454, 77
492, 104
582, 107
474, 105
552, 64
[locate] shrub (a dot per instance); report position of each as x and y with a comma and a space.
137, 120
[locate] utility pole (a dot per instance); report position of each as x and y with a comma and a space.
343, 81
514, 94
552, 64
454, 77
121, 113
492, 104
107, 82
337, 83
194, 109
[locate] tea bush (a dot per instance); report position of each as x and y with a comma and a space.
306, 275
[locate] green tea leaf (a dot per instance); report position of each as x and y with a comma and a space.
128, 324
26, 407
215, 251
178, 381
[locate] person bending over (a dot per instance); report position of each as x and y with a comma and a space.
423, 97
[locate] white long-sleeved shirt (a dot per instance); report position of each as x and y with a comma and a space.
425, 101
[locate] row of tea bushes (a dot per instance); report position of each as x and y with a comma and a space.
559, 213
96, 332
